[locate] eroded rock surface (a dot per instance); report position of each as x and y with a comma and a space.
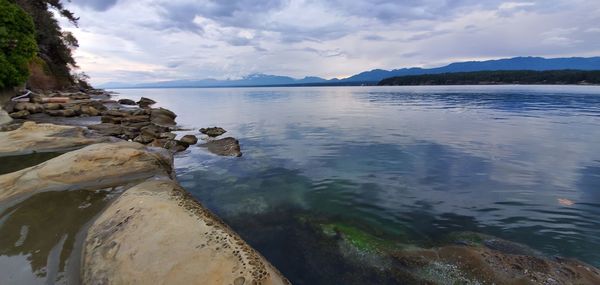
156, 233
98, 166
32, 137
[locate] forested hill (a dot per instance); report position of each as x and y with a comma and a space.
499, 77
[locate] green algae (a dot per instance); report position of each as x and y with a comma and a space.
359, 238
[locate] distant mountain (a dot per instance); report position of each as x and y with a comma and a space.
376, 75
516, 63
250, 80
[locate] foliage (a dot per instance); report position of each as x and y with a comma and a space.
499, 77
17, 44
55, 46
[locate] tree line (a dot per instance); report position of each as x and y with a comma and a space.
499, 77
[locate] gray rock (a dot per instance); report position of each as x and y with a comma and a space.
227, 147
52, 106
213, 132
175, 146
143, 139
189, 139
167, 135
32, 108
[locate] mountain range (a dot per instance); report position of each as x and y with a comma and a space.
372, 77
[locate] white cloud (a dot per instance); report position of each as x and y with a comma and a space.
149, 40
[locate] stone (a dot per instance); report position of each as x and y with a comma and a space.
143, 139
153, 131
226, 147
163, 117
213, 132
175, 146
126, 102
136, 119
62, 113
116, 113
32, 108
99, 166
52, 106
9, 106
32, 137
107, 129
145, 102
79, 96
111, 120
167, 135
189, 139
121, 245
90, 111
19, 114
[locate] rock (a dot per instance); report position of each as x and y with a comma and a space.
480, 265
20, 114
163, 112
143, 139
126, 102
90, 111
145, 102
175, 146
79, 96
52, 106
107, 129
138, 125
9, 106
62, 113
4, 118
98, 166
32, 108
32, 137
121, 244
167, 135
227, 147
189, 139
163, 117
213, 132
130, 133
153, 131
135, 119
111, 120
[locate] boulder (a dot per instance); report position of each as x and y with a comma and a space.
116, 113
226, 147
32, 137
107, 129
156, 233
62, 113
52, 106
20, 114
163, 117
175, 146
135, 119
126, 102
111, 120
143, 139
145, 102
153, 131
213, 132
90, 111
167, 135
189, 139
32, 108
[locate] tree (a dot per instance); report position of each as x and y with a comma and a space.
17, 44
54, 46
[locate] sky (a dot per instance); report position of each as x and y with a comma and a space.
137, 41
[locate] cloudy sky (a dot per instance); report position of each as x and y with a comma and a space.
155, 40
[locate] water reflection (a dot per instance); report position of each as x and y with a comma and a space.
410, 163
41, 238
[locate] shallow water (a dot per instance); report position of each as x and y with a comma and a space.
405, 164
10, 164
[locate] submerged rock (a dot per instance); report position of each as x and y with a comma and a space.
32, 137
227, 147
136, 241
98, 166
213, 132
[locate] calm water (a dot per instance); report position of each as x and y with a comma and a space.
410, 164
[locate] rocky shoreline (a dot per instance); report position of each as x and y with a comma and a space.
153, 232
